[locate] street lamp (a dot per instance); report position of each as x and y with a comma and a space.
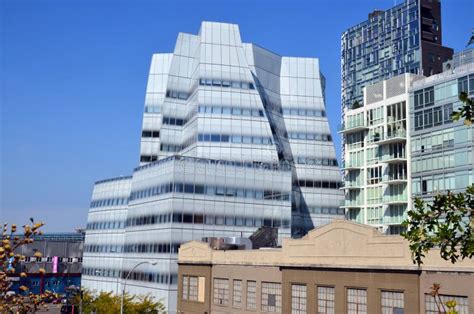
125, 281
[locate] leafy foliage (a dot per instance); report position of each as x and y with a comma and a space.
106, 302
451, 304
447, 223
466, 111
26, 302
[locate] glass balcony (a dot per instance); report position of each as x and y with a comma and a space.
353, 203
395, 215
392, 137
352, 127
393, 159
396, 178
395, 199
349, 185
352, 166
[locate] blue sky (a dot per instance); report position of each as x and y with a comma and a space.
73, 77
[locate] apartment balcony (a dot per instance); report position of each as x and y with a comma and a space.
392, 137
395, 199
353, 204
393, 216
353, 127
352, 168
351, 185
392, 159
397, 220
398, 179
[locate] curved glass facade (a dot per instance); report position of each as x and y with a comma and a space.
234, 137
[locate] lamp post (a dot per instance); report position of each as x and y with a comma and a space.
125, 281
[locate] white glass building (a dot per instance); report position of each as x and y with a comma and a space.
234, 137
404, 144
377, 169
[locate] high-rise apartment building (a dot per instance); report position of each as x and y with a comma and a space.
234, 137
442, 150
403, 143
403, 39
377, 168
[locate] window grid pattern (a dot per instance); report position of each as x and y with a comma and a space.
392, 302
251, 295
462, 304
221, 291
326, 297
237, 294
185, 288
271, 297
193, 288
298, 299
356, 301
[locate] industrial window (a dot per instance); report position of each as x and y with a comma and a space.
298, 299
237, 293
271, 297
221, 291
251, 295
326, 300
392, 302
356, 301
431, 307
193, 288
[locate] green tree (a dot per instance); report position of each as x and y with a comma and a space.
448, 221
466, 111
107, 302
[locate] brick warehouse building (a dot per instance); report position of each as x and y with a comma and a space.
342, 267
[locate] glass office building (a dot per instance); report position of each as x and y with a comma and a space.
442, 150
234, 137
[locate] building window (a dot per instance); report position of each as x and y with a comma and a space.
326, 300
221, 291
237, 294
462, 304
462, 84
251, 295
356, 301
185, 287
392, 302
298, 299
193, 288
271, 297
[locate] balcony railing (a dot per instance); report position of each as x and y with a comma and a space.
397, 198
400, 177
352, 184
354, 126
353, 203
391, 137
395, 220
391, 158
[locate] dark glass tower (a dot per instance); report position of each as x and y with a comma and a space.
403, 39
